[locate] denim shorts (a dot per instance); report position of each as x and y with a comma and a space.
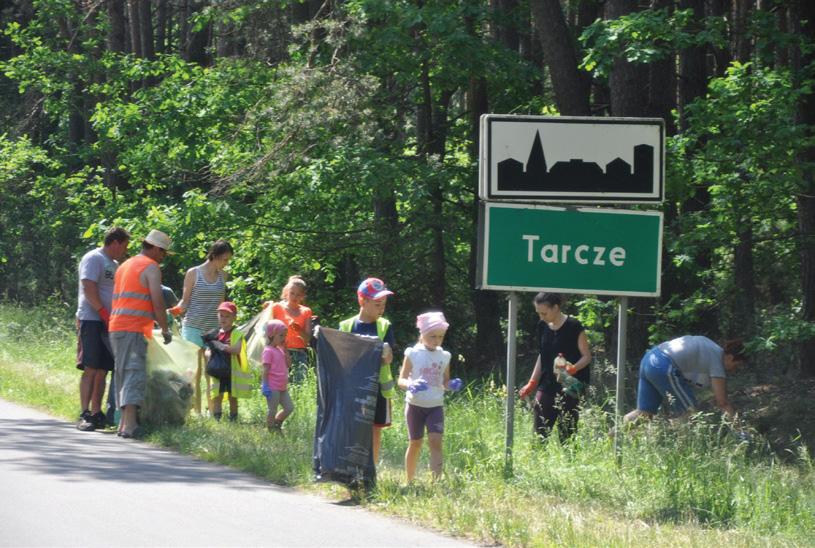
194, 335
660, 378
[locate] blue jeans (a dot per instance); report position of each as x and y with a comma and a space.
299, 364
659, 377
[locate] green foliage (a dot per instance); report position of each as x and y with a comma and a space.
306, 150
646, 36
741, 145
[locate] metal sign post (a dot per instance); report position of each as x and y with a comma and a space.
622, 328
512, 324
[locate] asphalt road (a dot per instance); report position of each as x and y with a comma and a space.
62, 487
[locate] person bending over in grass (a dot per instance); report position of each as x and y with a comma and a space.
424, 376
677, 367
276, 375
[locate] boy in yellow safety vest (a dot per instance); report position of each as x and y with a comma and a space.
373, 296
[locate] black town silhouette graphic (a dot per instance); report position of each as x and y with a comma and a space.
577, 175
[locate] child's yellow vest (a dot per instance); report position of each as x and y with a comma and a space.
242, 377
386, 384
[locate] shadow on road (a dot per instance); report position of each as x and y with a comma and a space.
55, 447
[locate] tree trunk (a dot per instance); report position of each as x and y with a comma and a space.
629, 98
134, 18
146, 29
196, 42
627, 80
692, 73
183, 26
505, 30
719, 9
571, 87
161, 26
806, 198
740, 41
488, 339
531, 49
431, 121
662, 84
117, 29
745, 282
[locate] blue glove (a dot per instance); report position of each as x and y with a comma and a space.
265, 390
743, 436
455, 384
419, 385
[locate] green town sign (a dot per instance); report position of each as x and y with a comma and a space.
524, 247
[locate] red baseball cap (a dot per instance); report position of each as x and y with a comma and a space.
228, 306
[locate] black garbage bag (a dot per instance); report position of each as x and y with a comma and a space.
347, 385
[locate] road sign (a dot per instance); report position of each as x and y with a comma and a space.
571, 159
524, 247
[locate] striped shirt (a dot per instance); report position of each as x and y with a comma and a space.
202, 311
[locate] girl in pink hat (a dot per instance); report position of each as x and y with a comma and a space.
275, 382
425, 375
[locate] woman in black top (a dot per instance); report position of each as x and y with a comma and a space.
556, 334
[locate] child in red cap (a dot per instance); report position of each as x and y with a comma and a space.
229, 339
372, 296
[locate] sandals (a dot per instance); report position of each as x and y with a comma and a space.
137, 434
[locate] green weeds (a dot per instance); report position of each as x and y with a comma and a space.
685, 484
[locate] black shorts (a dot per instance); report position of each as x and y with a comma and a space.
93, 346
382, 415
224, 386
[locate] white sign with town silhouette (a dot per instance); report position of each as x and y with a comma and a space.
566, 159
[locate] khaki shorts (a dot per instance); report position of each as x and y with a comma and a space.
130, 354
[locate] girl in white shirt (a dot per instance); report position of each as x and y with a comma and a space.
425, 375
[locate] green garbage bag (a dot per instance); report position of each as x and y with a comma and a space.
170, 376
253, 330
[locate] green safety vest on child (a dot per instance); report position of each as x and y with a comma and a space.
386, 383
242, 376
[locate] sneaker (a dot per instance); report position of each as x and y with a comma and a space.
100, 420
86, 423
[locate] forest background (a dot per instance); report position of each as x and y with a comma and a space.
338, 140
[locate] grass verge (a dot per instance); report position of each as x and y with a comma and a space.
684, 485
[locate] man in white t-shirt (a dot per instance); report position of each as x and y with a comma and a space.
675, 368
94, 356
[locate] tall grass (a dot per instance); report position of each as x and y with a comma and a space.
684, 484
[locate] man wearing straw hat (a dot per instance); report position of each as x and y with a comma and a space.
137, 303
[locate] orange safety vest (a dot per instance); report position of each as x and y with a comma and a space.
132, 305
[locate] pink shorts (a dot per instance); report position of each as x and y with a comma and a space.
418, 418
